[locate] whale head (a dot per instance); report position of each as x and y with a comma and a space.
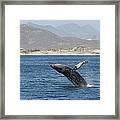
58, 67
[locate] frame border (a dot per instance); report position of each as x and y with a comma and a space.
59, 2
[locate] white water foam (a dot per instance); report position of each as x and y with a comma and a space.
89, 85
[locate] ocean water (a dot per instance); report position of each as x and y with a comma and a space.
38, 81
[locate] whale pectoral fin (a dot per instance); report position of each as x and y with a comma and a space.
77, 66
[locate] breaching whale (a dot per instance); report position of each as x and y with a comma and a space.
71, 74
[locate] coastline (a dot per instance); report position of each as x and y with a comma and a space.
61, 54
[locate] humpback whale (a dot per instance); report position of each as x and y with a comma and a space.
71, 74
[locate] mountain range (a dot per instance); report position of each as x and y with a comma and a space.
65, 36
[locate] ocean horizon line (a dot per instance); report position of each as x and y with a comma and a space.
59, 54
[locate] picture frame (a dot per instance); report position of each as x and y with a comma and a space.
2, 90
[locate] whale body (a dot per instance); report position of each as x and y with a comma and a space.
71, 74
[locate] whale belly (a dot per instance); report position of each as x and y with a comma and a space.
77, 79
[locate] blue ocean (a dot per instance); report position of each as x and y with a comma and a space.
38, 81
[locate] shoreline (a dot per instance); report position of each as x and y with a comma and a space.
58, 54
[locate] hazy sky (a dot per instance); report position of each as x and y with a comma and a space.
93, 23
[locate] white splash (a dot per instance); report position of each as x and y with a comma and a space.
89, 85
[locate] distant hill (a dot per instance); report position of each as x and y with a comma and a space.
34, 36
72, 30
